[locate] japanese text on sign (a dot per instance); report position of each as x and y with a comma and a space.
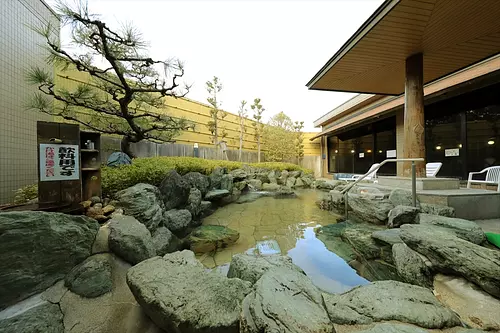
59, 162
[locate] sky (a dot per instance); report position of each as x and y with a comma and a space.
262, 48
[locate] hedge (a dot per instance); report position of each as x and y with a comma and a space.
152, 170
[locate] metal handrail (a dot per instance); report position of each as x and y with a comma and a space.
346, 190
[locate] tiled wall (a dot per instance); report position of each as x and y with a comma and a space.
19, 49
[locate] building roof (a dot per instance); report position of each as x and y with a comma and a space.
451, 34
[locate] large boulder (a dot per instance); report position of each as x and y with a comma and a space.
251, 268
216, 177
194, 202
331, 234
215, 195
130, 240
255, 184
410, 266
207, 209
164, 241
174, 190
434, 209
327, 185
295, 174
144, 202
400, 215
450, 254
199, 181
299, 183
290, 181
285, 300
464, 229
178, 221
263, 177
389, 236
270, 187
273, 176
180, 296
38, 249
368, 208
208, 238
226, 183
238, 174
400, 197
39, 317
389, 300
360, 237
241, 185
91, 278
393, 328
281, 180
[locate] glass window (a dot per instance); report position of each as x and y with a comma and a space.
483, 140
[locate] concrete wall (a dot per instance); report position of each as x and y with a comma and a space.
400, 140
19, 50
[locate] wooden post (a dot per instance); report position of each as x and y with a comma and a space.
414, 126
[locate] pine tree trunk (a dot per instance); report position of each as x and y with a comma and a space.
125, 146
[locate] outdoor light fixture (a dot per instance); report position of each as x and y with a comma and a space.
438, 147
336, 151
380, 151
459, 145
369, 151
352, 151
491, 142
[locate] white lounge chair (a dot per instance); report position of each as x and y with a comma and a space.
492, 177
431, 169
372, 174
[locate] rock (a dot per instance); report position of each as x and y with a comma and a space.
226, 183
393, 328
108, 209
39, 248
400, 197
411, 268
376, 269
290, 181
115, 311
44, 317
389, 300
164, 241
251, 268
180, 296
130, 240
206, 209
144, 202
86, 204
238, 174
437, 210
241, 185
263, 177
233, 197
337, 201
94, 212
284, 300
255, 184
216, 195
95, 200
194, 202
389, 236
101, 244
450, 254
475, 307
285, 192
98, 205
199, 181
281, 180
207, 238
400, 215
273, 176
106, 202
329, 185
299, 183
307, 181
360, 237
295, 174
270, 187
250, 197
367, 208
216, 177
91, 278
464, 229
178, 220
174, 190
117, 212
330, 235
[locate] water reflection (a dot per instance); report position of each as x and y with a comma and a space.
283, 220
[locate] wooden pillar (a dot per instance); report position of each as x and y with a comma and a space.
414, 126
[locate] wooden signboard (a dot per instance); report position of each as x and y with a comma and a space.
59, 175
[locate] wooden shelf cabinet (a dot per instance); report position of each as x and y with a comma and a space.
91, 164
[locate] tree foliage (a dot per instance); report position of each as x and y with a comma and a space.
242, 114
279, 138
218, 132
126, 88
258, 124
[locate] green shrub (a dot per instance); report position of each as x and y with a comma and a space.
26, 193
152, 170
